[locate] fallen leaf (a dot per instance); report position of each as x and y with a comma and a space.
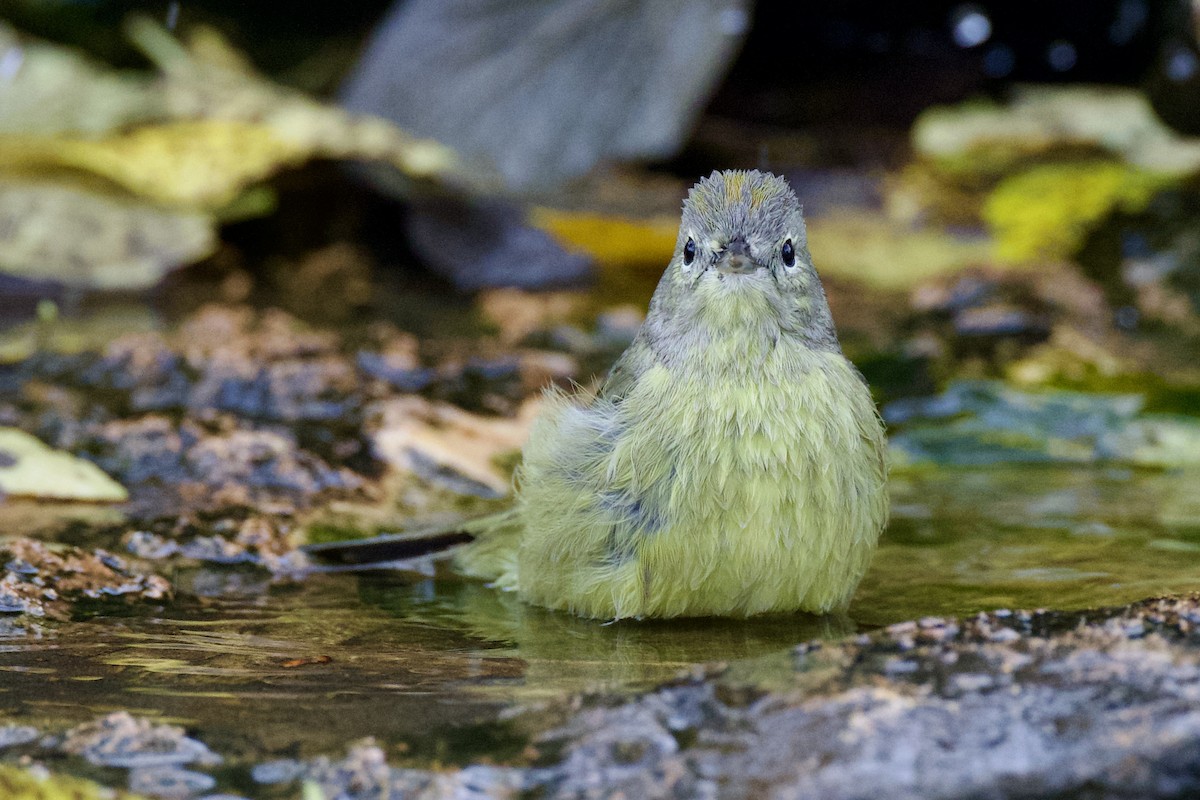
211, 81
28, 468
292, 663
55, 90
116, 204
226, 128
93, 240
445, 444
518, 313
194, 164
872, 249
1118, 120
610, 239
20, 784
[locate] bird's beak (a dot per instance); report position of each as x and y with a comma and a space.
735, 259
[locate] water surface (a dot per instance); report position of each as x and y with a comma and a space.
438, 669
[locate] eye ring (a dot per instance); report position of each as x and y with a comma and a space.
788, 252
689, 252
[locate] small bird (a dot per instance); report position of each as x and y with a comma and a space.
731, 463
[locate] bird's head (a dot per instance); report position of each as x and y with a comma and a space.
742, 259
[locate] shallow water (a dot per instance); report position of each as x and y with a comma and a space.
433, 667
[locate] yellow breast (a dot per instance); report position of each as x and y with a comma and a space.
760, 493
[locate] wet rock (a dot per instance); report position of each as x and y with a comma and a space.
264, 367
313, 390
617, 327
236, 407
505, 250
144, 544
364, 774
661, 62
977, 422
268, 542
169, 783
122, 740
281, 771
241, 408
11, 735
1051, 707
268, 459
1007, 704
633, 753
401, 372
240, 467
41, 581
9, 629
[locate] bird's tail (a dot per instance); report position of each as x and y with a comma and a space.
485, 547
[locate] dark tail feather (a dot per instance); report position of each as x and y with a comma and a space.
379, 552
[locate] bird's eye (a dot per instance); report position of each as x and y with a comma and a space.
689, 252
789, 254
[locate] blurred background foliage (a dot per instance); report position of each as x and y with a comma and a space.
994, 190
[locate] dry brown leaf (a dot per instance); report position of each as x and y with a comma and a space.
416, 435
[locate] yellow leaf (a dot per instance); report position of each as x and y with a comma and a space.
28, 468
610, 240
94, 240
20, 784
205, 163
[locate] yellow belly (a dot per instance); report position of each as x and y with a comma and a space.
691, 499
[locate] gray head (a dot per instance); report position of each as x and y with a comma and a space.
741, 260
